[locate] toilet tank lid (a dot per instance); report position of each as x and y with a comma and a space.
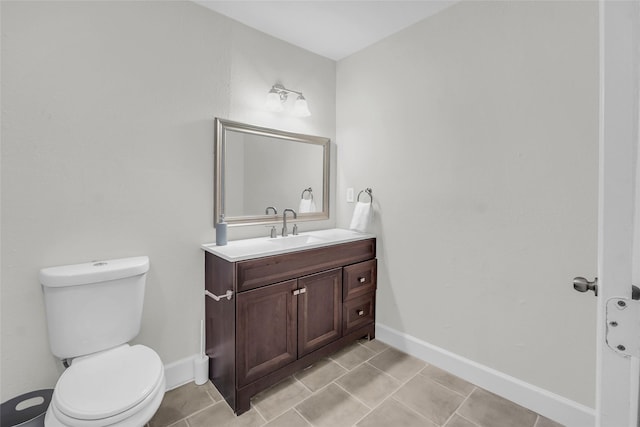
93, 272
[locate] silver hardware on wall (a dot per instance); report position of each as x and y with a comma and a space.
622, 321
622, 316
227, 295
368, 192
277, 97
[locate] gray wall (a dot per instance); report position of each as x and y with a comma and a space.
477, 130
107, 151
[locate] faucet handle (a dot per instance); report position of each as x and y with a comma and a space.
273, 232
295, 229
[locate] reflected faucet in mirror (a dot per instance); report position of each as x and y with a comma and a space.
270, 208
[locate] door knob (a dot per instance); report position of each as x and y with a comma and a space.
581, 284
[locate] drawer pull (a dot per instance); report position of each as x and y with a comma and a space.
360, 312
361, 279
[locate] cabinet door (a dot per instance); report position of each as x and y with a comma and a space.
266, 334
319, 310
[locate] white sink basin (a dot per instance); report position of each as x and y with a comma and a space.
294, 241
240, 250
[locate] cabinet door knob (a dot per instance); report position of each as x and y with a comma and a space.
361, 279
360, 312
296, 292
303, 290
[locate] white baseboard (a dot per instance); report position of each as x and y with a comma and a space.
180, 372
544, 402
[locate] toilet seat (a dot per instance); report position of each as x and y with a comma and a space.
109, 387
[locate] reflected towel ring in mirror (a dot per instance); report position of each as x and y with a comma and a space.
307, 190
368, 191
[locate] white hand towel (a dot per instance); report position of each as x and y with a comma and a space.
307, 205
362, 215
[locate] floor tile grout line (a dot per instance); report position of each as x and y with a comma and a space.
304, 400
300, 381
259, 413
443, 385
290, 407
468, 420
390, 396
189, 415
409, 408
338, 377
349, 370
301, 416
413, 410
202, 410
354, 396
460, 406
397, 379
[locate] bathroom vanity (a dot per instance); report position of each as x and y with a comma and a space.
284, 304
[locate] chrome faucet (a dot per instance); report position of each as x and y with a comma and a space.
285, 232
266, 211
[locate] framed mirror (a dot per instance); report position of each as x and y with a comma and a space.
260, 170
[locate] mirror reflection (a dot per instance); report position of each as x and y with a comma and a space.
260, 172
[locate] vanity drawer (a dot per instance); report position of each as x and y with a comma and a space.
359, 279
258, 272
358, 312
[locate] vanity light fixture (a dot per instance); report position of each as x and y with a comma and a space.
278, 95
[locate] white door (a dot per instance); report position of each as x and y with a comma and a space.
619, 207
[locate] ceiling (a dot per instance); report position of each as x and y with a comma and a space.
331, 28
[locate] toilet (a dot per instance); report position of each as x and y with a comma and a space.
93, 311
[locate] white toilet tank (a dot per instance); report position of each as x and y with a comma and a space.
93, 306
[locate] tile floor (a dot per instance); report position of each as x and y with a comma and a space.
368, 384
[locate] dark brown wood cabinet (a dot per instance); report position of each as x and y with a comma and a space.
319, 310
287, 312
267, 330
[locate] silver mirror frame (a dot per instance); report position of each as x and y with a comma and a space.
222, 126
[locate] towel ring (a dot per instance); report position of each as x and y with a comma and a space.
368, 191
305, 191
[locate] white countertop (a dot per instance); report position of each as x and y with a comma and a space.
240, 250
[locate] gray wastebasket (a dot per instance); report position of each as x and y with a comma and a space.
26, 410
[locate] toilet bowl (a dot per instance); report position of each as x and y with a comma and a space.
123, 386
93, 310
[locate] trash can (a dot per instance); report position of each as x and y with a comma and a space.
26, 410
